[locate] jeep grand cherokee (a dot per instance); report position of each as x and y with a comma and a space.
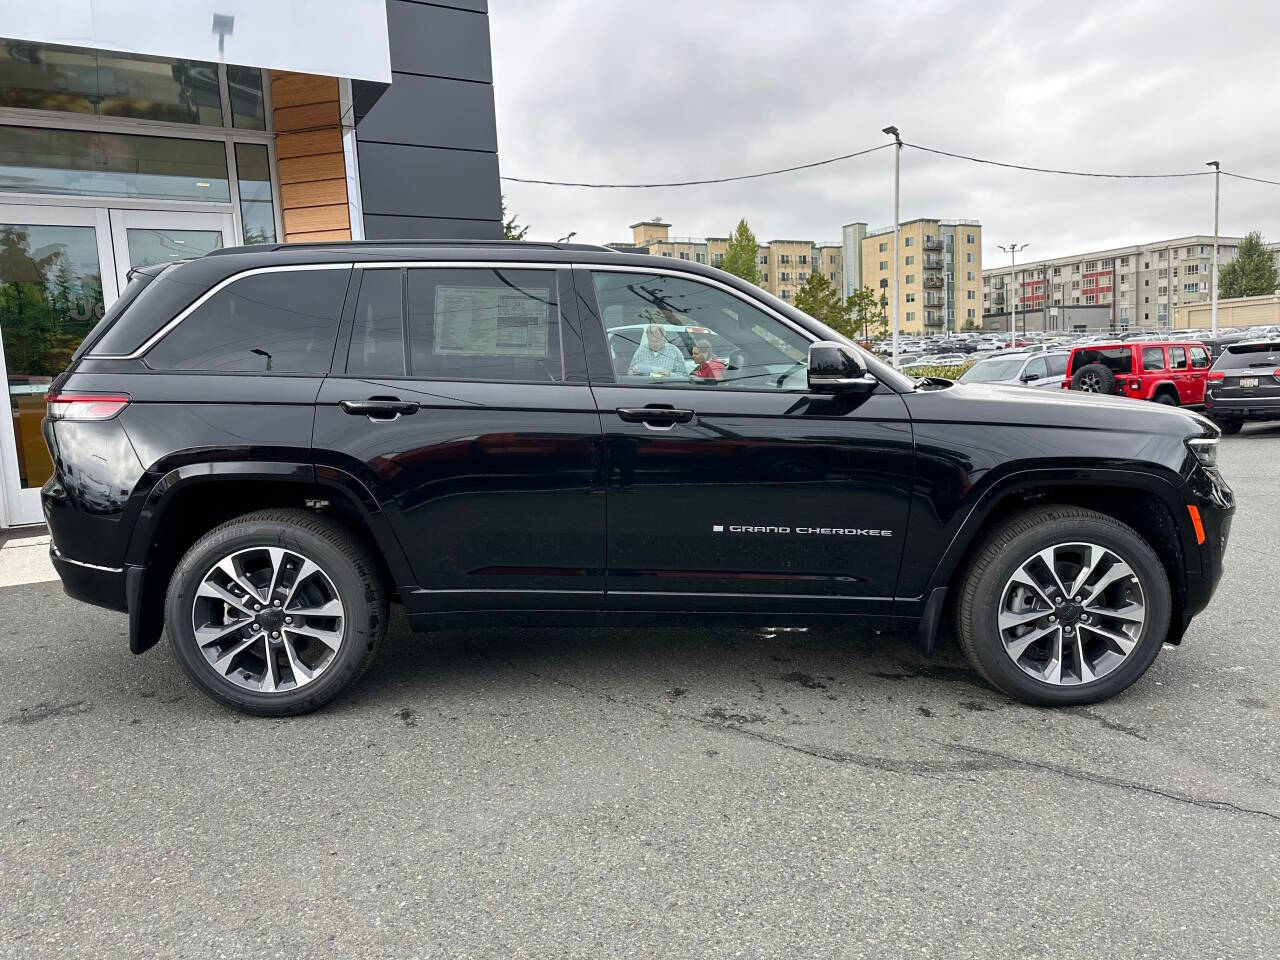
272, 444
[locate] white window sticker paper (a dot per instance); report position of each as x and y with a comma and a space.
491, 321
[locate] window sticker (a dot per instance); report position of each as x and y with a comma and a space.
491, 322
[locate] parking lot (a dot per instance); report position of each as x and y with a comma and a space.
691, 791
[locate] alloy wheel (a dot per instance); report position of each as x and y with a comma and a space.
267, 619
1071, 614
1091, 383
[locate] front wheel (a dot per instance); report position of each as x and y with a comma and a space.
275, 613
1063, 606
1230, 427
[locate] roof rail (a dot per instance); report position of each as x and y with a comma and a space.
343, 244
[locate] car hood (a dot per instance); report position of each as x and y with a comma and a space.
998, 404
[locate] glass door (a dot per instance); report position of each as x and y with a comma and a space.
53, 289
143, 237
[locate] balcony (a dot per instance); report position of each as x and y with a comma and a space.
932, 243
934, 300
934, 283
933, 318
933, 263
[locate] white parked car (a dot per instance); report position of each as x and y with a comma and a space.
1042, 370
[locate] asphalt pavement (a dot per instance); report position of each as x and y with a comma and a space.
691, 791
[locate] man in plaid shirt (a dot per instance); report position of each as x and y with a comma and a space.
655, 356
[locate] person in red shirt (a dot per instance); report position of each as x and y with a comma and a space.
708, 367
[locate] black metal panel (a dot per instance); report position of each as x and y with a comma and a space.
433, 112
427, 228
408, 181
427, 147
439, 41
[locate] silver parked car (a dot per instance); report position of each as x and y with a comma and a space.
1044, 370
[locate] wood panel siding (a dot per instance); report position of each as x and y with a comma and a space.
313, 185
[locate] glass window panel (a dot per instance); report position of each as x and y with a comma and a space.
248, 111
253, 170
42, 76
484, 325
148, 245
50, 298
36, 160
284, 321
377, 338
653, 324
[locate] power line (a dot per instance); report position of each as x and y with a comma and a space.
1068, 173
1241, 176
697, 183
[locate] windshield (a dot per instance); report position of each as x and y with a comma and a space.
989, 371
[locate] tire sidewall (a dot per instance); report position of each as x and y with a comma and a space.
1106, 377
359, 624
1155, 589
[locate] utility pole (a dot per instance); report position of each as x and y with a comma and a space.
1213, 280
1012, 249
897, 175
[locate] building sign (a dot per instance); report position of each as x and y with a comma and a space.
335, 38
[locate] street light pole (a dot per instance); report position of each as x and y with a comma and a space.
1012, 249
1213, 280
897, 176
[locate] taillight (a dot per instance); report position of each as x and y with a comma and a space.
85, 406
1216, 376
1135, 384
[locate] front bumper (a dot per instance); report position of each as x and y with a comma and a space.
1216, 503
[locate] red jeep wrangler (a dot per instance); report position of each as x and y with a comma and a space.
1172, 372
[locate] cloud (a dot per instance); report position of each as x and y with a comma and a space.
615, 92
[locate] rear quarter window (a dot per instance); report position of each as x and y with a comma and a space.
278, 321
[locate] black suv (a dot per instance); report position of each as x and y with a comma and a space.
263, 448
1244, 385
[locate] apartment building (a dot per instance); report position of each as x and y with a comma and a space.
784, 265
939, 273
1143, 285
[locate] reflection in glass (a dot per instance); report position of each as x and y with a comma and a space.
50, 297
41, 76
253, 169
37, 160
148, 245
248, 111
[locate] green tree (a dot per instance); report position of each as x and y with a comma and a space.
822, 301
742, 255
864, 309
511, 229
1252, 273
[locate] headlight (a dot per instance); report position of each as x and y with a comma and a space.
1205, 449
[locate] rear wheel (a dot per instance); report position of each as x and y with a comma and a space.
275, 613
1063, 606
1167, 397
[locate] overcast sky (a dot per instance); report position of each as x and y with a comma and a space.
661, 90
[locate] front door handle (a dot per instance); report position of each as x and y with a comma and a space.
655, 416
380, 408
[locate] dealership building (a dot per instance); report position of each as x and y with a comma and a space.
132, 134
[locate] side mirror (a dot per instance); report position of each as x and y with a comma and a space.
836, 368
1028, 377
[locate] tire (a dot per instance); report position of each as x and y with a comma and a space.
1094, 378
308, 670
1230, 427
985, 591
1167, 397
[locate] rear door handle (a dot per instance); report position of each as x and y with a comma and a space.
655, 416
380, 408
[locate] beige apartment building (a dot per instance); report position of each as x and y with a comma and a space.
939, 273
784, 265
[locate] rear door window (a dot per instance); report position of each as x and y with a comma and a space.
1177, 358
484, 324
277, 321
1152, 358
